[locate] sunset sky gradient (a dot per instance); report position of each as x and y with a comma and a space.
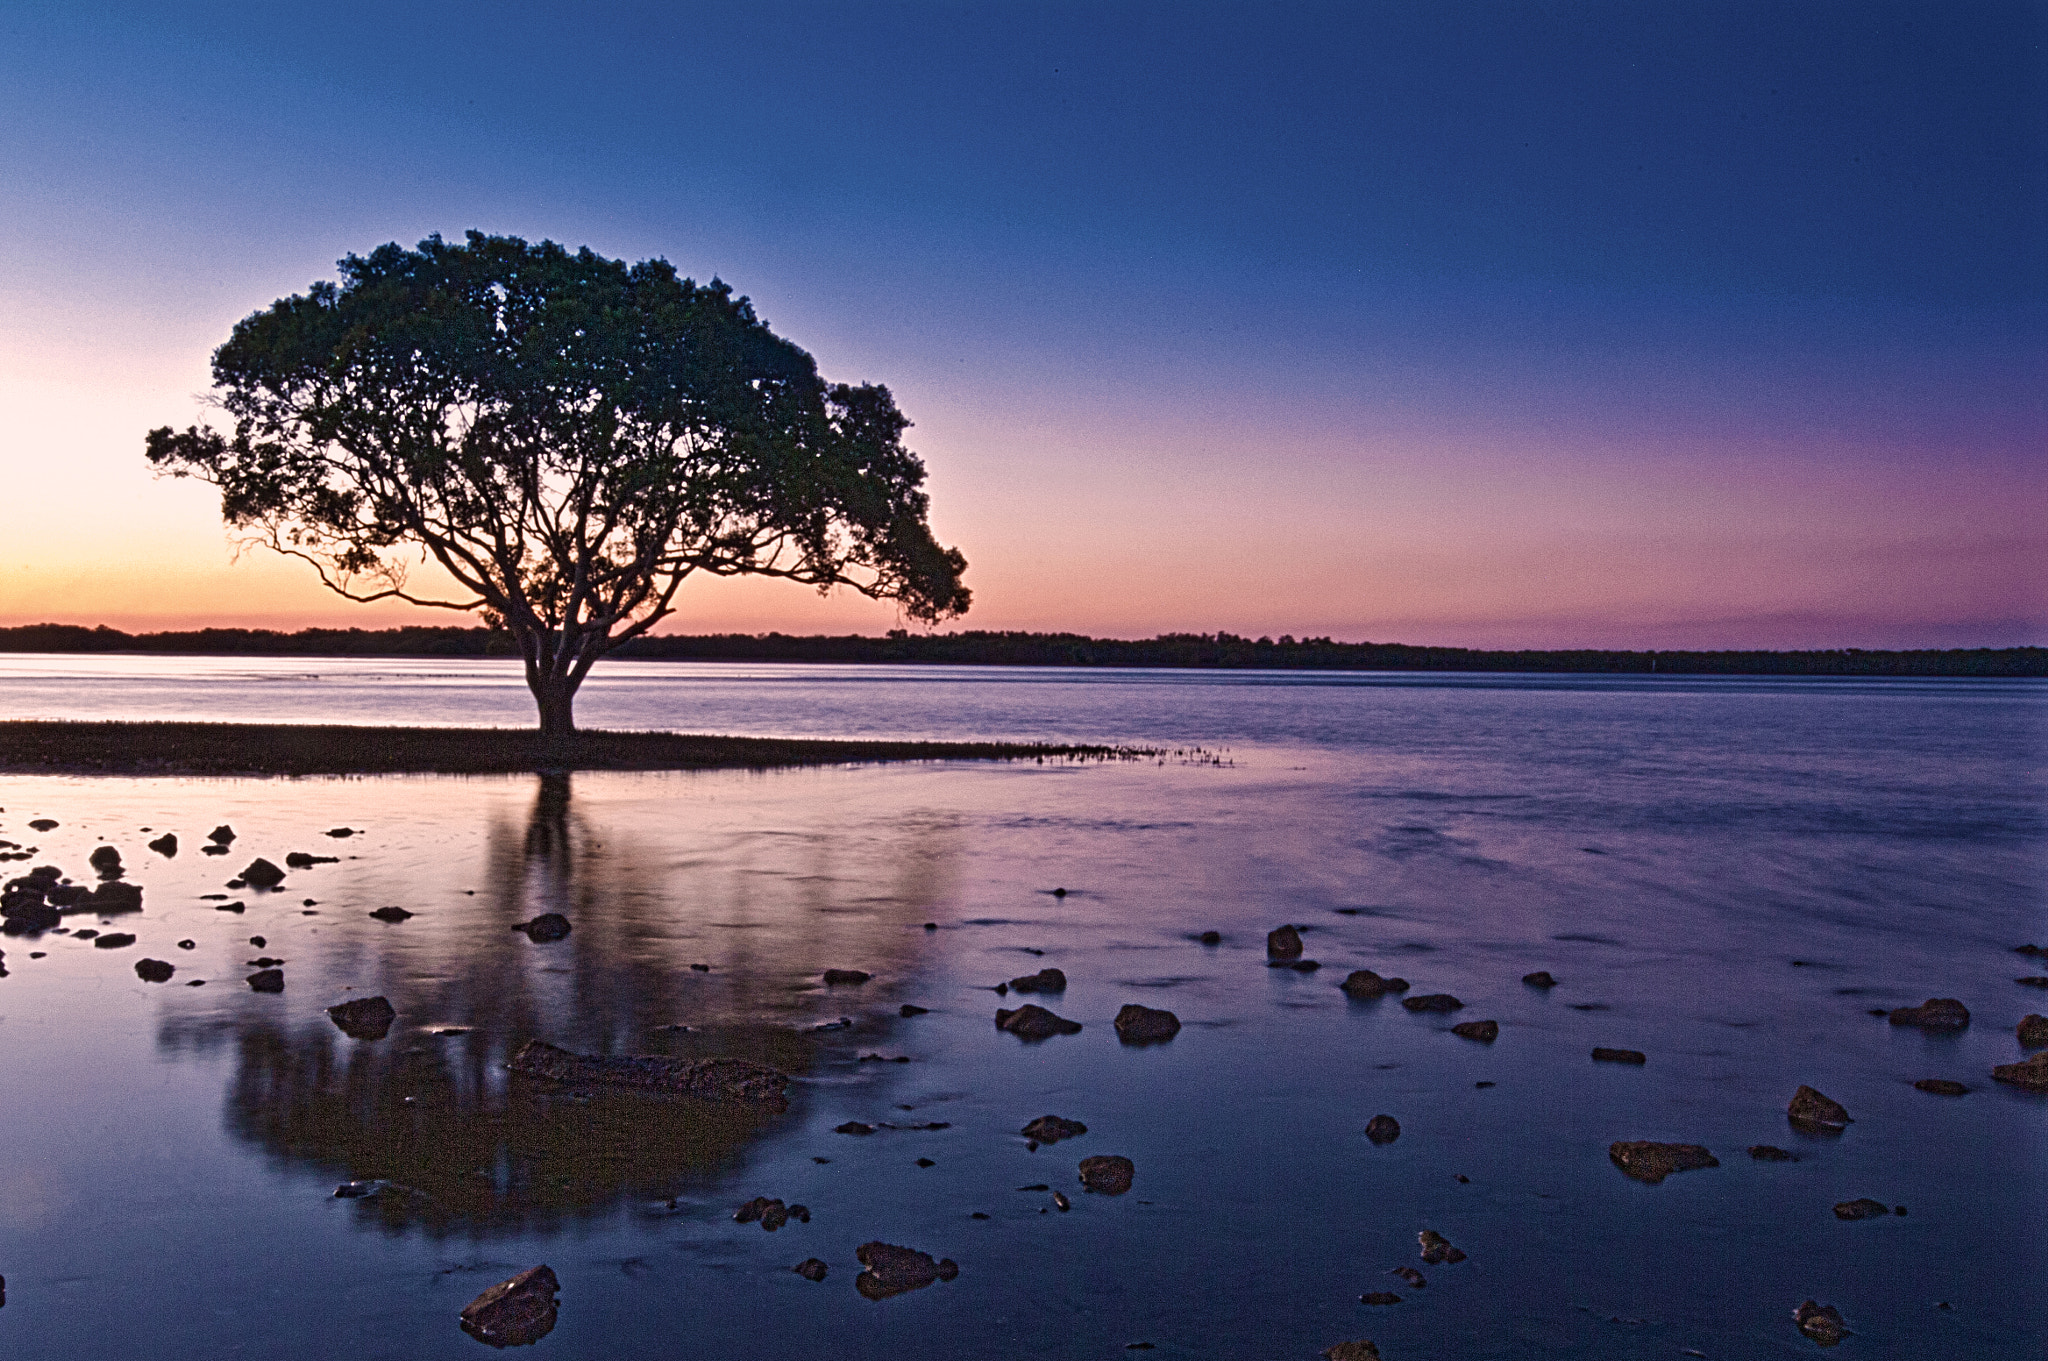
1498, 324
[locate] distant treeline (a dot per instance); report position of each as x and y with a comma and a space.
980, 648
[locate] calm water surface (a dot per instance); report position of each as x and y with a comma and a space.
1668, 849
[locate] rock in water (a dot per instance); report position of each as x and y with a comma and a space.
1866, 1208
1936, 1013
114, 940
1033, 1022
1045, 980
1050, 1129
1813, 1112
1769, 1153
154, 970
106, 861
394, 915
2031, 1073
1361, 1350
1651, 1162
366, 1018
1145, 1025
906, 1011
772, 1213
1383, 1129
114, 897
1484, 1031
1821, 1322
222, 835
1379, 1297
1283, 942
301, 860
165, 845
516, 1312
1107, 1174
1410, 1275
262, 874
1435, 1001
267, 980
1437, 1249
732, 1081
1941, 1086
544, 928
2033, 1031
845, 977
1619, 1056
1540, 979
811, 1269
891, 1270
1364, 984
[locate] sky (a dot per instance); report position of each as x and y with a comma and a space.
1487, 324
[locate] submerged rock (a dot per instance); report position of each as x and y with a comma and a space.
853, 1127
1364, 984
1936, 1013
811, 1269
845, 977
154, 970
732, 1081
544, 928
1050, 1129
2030, 1073
366, 1018
1821, 1322
114, 940
1540, 979
1941, 1086
1435, 1001
1107, 1174
301, 860
1866, 1208
1816, 1113
891, 1270
2033, 1031
1379, 1297
1283, 942
771, 1213
1651, 1162
165, 845
514, 1313
1484, 1031
1033, 1022
1211, 938
1601, 1055
394, 915
1409, 1274
907, 1010
1361, 1350
267, 980
1045, 980
1437, 1249
1771, 1153
260, 873
1145, 1025
1383, 1129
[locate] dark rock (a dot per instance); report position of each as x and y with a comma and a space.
845, 977
1383, 1129
227, 907
1866, 1208
115, 897
222, 835
1361, 1350
1410, 1275
2039, 951
1045, 980
2030, 1073
2033, 981
1283, 942
773, 1214
853, 1127
154, 970
1435, 1001
1936, 1013
1601, 1055
267, 980
1061, 1203
516, 1312
266, 962
394, 915
28, 918
341, 831
1770, 1153
260, 873
1211, 938
258, 942
1033, 1022
1305, 965
700, 968
1484, 1031
165, 845
51, 824
1942, 1086
106, 861
213, 850
357, 1190
1821, 1322
63, 896
1050, 1129
300, 860
1365, 984
1437, 1249
1107, 1174
906, 1011
1813, 1112
544, 928
1651, 1162
732, 1081
1379, 1297
2033, 1031
188, 945
1540, 979
811, 1269
83, 935
891, 1270
366, 1018
1145, 1025
926, 1162
113, 940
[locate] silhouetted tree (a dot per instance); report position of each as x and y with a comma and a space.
569, 437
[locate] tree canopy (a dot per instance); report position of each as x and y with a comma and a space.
569, 437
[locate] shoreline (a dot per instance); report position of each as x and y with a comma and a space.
56, 747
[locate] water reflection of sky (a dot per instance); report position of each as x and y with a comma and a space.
168, 1154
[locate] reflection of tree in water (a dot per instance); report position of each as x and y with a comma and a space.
485, 1152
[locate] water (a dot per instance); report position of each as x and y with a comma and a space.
1666, 848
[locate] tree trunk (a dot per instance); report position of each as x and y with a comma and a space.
556, 696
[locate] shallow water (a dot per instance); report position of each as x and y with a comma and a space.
1668, 849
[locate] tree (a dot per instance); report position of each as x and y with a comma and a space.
570, 438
